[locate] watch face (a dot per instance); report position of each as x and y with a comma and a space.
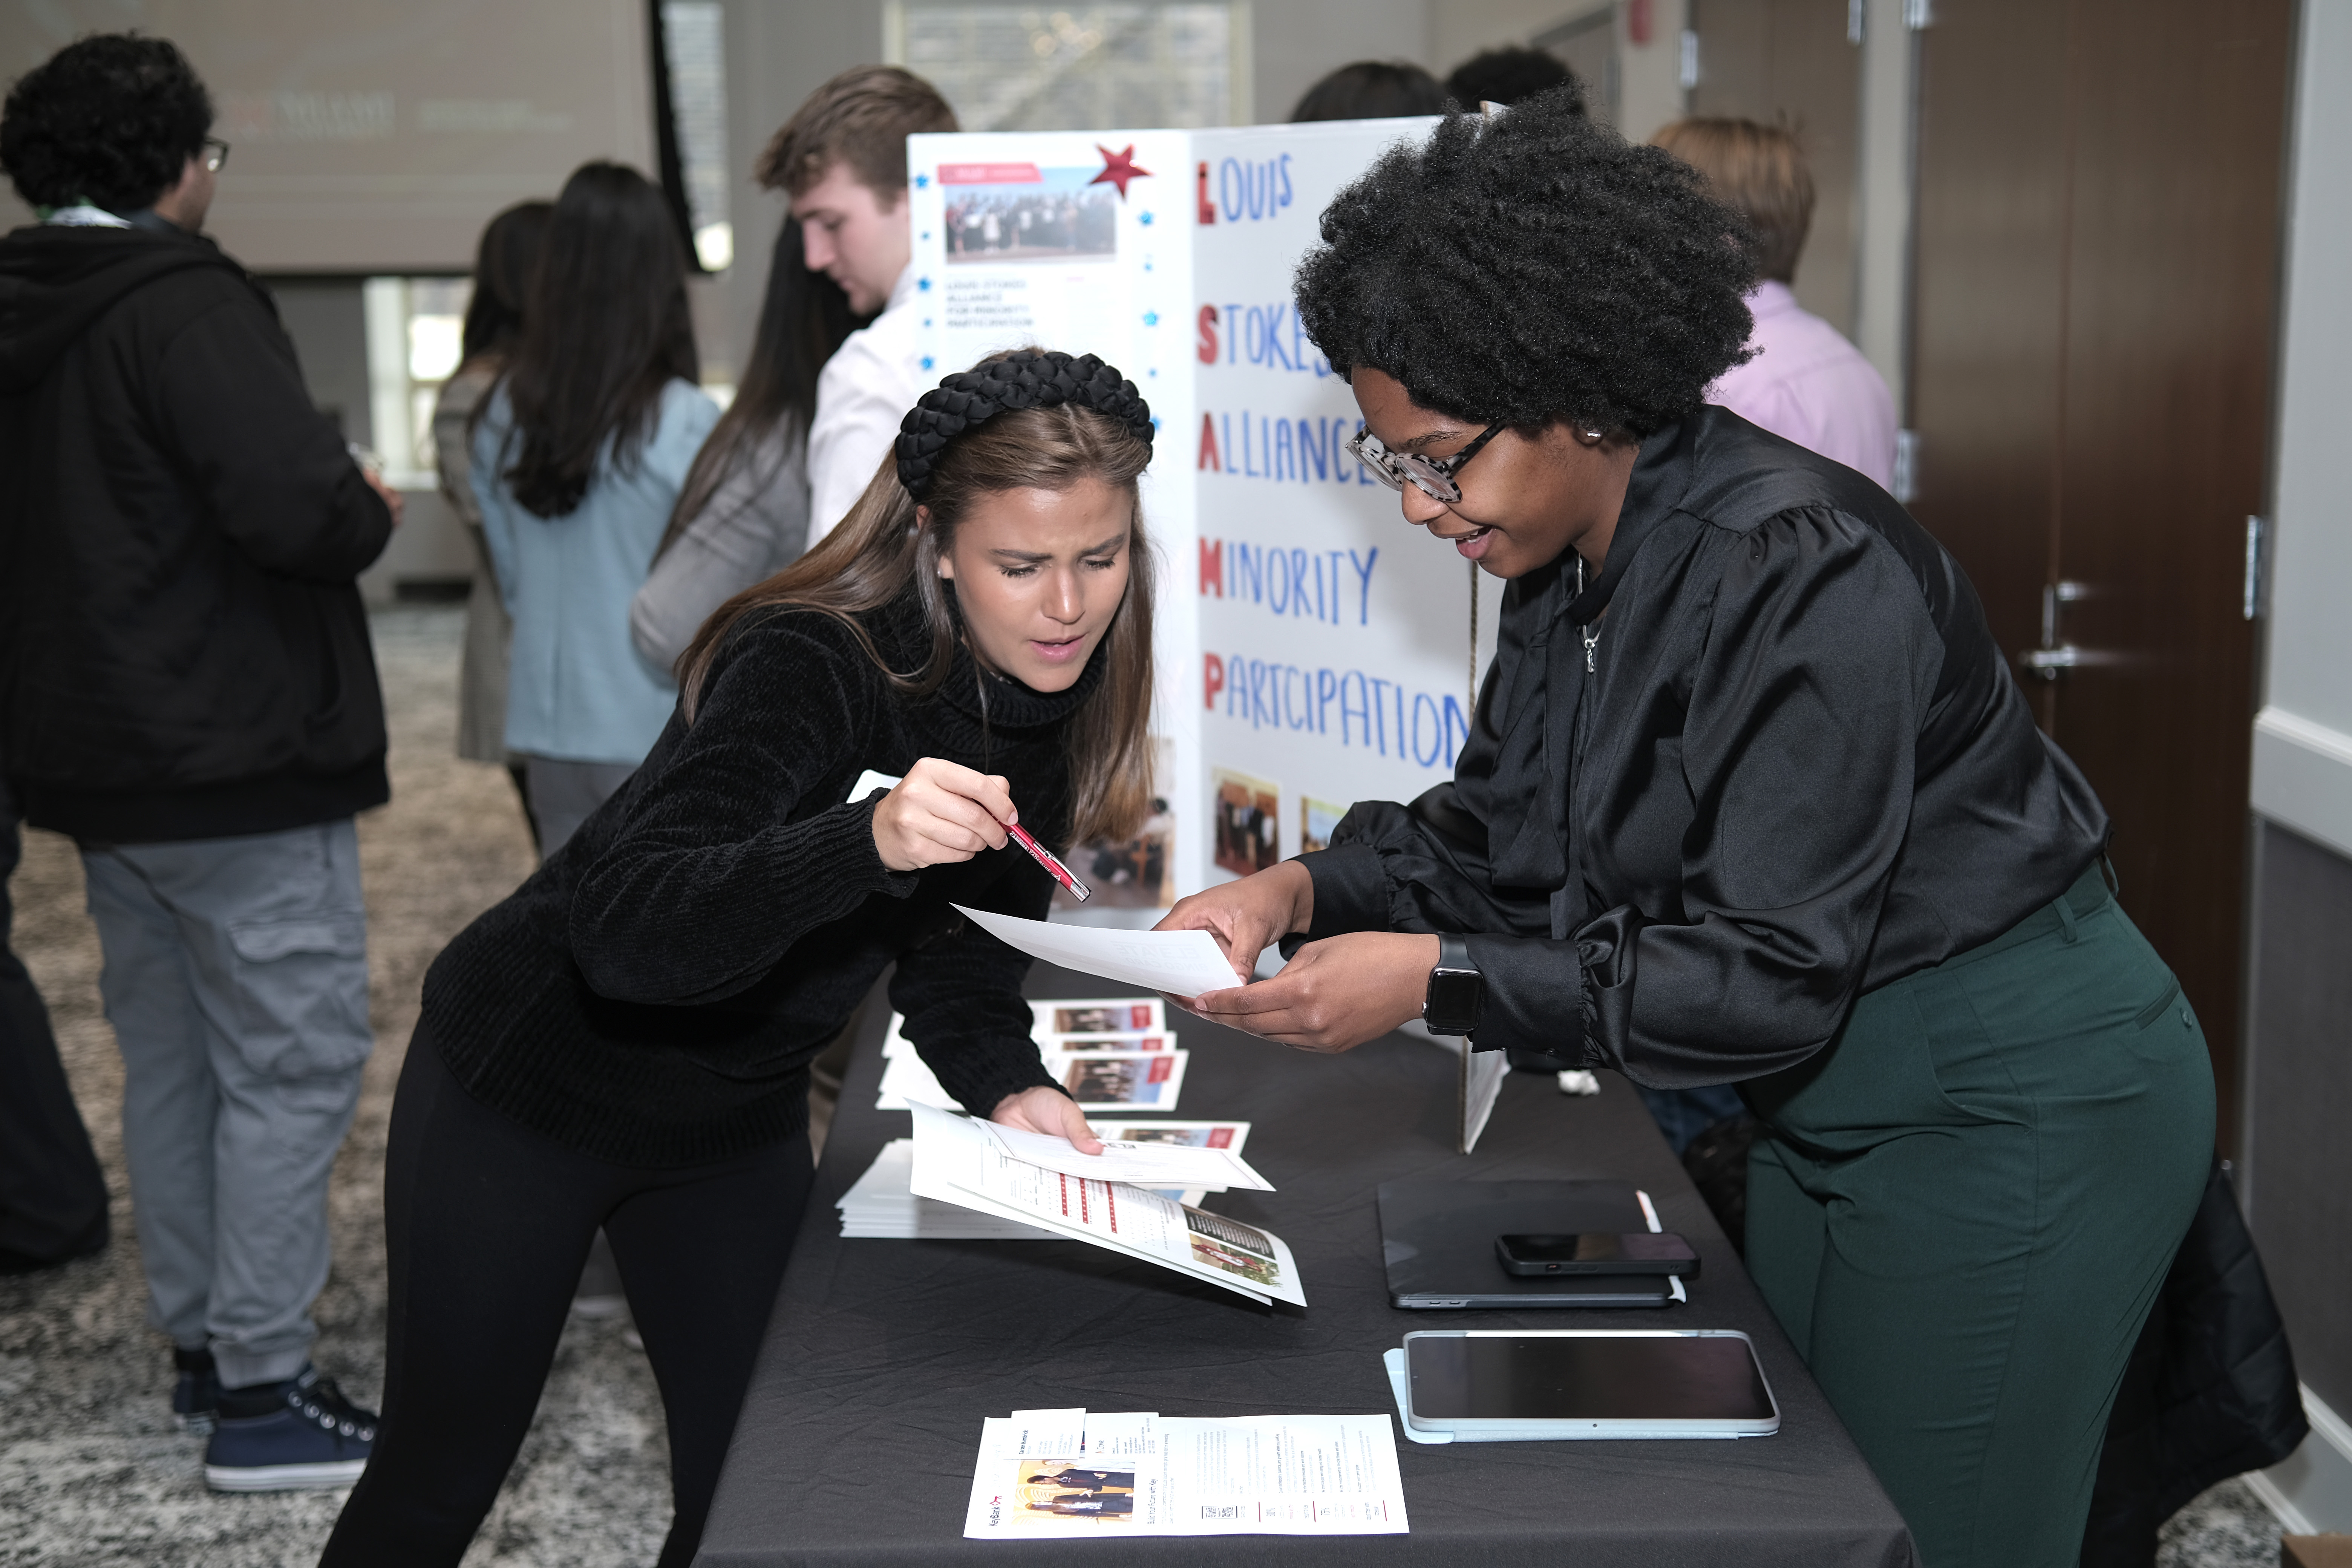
1452, 1002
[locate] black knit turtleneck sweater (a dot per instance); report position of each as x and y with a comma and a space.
654, 993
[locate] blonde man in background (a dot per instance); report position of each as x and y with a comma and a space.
1807, 382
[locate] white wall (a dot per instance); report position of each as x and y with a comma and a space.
1295, 43
1882, 222
778, 52
380, 135
1650, 84
2303, 737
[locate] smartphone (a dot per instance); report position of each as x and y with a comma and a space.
1597, 1252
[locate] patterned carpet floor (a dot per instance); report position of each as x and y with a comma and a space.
92, 1472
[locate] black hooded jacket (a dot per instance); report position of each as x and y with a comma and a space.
183, 649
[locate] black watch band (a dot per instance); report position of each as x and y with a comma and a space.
1457, 992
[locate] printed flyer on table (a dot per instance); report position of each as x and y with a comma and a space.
1045, 1473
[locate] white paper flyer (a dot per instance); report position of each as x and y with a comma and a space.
957, 1161
1135, 1474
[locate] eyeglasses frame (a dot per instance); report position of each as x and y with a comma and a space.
1433, 477
215, 152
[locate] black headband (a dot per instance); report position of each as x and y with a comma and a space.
1033, 378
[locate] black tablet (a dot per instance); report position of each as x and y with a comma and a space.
1702, 1383
1438, 1241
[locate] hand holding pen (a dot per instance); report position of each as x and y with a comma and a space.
942, 812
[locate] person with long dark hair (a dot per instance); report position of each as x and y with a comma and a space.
1372, 89
1750, 796
578, 455
625, 1042
502, 268
743, 515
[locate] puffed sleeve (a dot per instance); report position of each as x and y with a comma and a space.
1798, 755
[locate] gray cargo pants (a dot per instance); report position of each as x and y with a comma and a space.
235, 979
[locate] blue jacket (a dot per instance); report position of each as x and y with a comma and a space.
577, 688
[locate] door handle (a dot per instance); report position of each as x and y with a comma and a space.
2054, 655
2046, 662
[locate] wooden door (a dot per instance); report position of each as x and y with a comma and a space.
1788, 62
2092, 320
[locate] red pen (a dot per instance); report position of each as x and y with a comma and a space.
1044, 857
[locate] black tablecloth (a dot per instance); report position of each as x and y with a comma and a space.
859, 1432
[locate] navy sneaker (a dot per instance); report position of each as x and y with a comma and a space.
196, 1393
284, 1436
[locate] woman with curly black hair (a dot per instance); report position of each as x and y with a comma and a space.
1751, 798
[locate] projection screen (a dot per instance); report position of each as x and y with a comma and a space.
377, 136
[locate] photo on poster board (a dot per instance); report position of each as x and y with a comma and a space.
1135, 873
1020, 212
1248, 816
1317, 820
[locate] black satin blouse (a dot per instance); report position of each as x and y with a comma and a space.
1797, 770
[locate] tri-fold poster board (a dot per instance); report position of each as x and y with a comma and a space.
1314, 649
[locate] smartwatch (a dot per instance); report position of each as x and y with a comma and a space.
1457, 992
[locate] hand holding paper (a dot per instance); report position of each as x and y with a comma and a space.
1249, 916
1050, 1117
1336, 995
1142, 1165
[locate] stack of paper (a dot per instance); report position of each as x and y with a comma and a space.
974, 1164
880, 1206
1045, 1473
1113, 1054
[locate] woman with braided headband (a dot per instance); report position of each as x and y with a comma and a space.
625, 1042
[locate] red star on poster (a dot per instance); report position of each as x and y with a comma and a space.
1118, 168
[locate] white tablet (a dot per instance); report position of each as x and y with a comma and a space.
1530, 1384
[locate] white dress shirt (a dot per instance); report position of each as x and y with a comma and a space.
862, 397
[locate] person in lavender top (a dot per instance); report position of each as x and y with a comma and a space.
1804, 382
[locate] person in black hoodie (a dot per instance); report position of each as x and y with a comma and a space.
187, 689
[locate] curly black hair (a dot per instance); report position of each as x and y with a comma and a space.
112, 118
1533, 267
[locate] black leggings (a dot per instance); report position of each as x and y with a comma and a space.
487, 1224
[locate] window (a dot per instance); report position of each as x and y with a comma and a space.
694, 44
1080, 67
415, 328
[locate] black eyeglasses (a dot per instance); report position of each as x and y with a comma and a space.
215, 153
1433, 477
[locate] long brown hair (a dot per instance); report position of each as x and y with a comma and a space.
881, 550
804, 318
503, 264
605, 331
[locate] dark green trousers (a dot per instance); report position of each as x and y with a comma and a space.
1964, 1209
